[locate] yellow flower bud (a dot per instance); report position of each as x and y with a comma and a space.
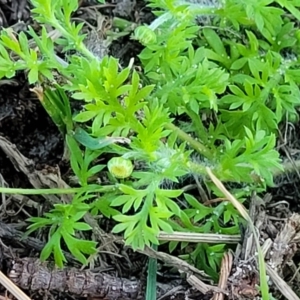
145, 35
120, 167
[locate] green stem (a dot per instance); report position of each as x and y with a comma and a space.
79, 46
199, 127
151, 278
18, 191
197, 168
192, 142
123, 24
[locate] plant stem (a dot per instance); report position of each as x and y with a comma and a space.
194, 237
199, 128
18, 191
79, 46
151, 278
192, 142
197, 168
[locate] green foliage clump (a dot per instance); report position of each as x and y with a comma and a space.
207, 95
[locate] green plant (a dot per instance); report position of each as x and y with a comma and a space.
63, 221
207, 258
208, 95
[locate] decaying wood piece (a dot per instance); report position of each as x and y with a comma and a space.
31, 274
7, 231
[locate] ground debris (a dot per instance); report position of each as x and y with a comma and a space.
11, 12
283, 248
124, 8
34, 275
279, 247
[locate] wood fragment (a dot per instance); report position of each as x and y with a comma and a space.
201, 286
33, 275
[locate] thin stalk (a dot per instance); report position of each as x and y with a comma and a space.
200, 129
197, 168
18, 191
12, 288
192, 142
261, 261
151, 279
193, 237
79, 46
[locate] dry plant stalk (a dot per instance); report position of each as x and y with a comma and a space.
193, 237
226, 266
12, 288
241, 209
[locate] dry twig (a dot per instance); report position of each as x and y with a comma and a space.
12, 288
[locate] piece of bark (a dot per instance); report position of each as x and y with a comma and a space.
31, 274
34, 275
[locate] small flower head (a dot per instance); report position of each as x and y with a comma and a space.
145, 35
120, 167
